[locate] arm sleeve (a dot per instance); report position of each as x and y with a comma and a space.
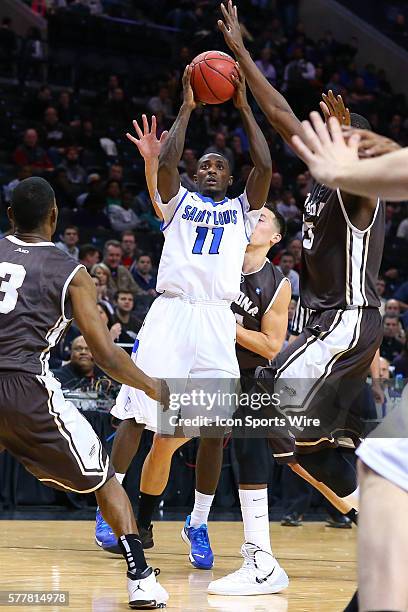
168, 209
251, 217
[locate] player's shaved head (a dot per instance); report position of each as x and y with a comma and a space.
360, 122
213, 156
31, 203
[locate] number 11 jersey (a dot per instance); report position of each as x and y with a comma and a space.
204, 245
34, 303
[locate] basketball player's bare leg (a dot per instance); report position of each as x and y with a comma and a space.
125, 446
383, 559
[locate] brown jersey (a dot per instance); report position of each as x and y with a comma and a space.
258, 291
340, 263
34, 305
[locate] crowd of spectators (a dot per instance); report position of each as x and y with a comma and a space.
75, 136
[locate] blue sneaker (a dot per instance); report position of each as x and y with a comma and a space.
201, 555
104, 536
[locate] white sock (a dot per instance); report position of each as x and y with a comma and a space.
254, 508
201, 510
120, 477
352, 499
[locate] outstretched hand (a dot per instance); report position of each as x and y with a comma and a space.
371, 144
188, 94
148, 144
324, 149
230, 28
333, 106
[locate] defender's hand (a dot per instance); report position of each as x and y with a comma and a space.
240, 97
371, 145
159, 391
333, 106
231, 29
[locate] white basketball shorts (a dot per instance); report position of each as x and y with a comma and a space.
182, 339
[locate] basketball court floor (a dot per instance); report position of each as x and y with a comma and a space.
61, 556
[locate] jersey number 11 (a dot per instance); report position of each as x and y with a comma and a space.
202, 232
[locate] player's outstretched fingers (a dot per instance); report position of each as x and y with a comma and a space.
310, 137
320, 127
131, 138
163, 136
137, 128
325, 110
336, 132
154, 125
145, 125
302, 150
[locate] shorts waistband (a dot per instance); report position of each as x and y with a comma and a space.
198, 301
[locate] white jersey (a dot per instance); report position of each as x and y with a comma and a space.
204, 246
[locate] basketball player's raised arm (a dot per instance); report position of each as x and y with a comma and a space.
259, 180
273, 104
335, 162
149, 148
274, 324
110, 357
168, 178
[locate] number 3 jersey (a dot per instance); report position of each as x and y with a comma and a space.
34, 305
340, 263
204, 246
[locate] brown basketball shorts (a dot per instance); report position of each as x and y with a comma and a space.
48, 435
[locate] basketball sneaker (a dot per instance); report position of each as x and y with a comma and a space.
146, 536
144, 590
201, 555
260, 574
104, 536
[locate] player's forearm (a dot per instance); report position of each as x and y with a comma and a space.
168, 179
257, 342
273, 104
258, 147
119, 366
151, 169
385, 177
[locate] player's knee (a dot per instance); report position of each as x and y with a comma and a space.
212, 443
332, 469
162, 448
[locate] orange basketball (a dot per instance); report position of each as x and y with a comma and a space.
211, 77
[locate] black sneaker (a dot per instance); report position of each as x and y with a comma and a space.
339, 522
146, 536
292, 520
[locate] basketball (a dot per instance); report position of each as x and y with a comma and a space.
211, 77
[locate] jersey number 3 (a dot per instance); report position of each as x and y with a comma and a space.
11, 278
202, 232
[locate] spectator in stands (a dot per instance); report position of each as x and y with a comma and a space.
94, 185
402, 231
286, 265
400, 362
360, 99
130, 324
69, 241
142, 274
303, 186
116, 173
402, 296
92, 214
129, 248
23, 172
291, 315
64, 190
392, 308
36, 103
81, 370
32, 57
393, 339
162, 103
116, 111
276, 188
265, 65
107, 287
122, 279
121, 216
295, 247
88, 256
31, 154
187, 177
75, 172
380, 286
106, 313
67, 111
287, 207
54, 134
221, 148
